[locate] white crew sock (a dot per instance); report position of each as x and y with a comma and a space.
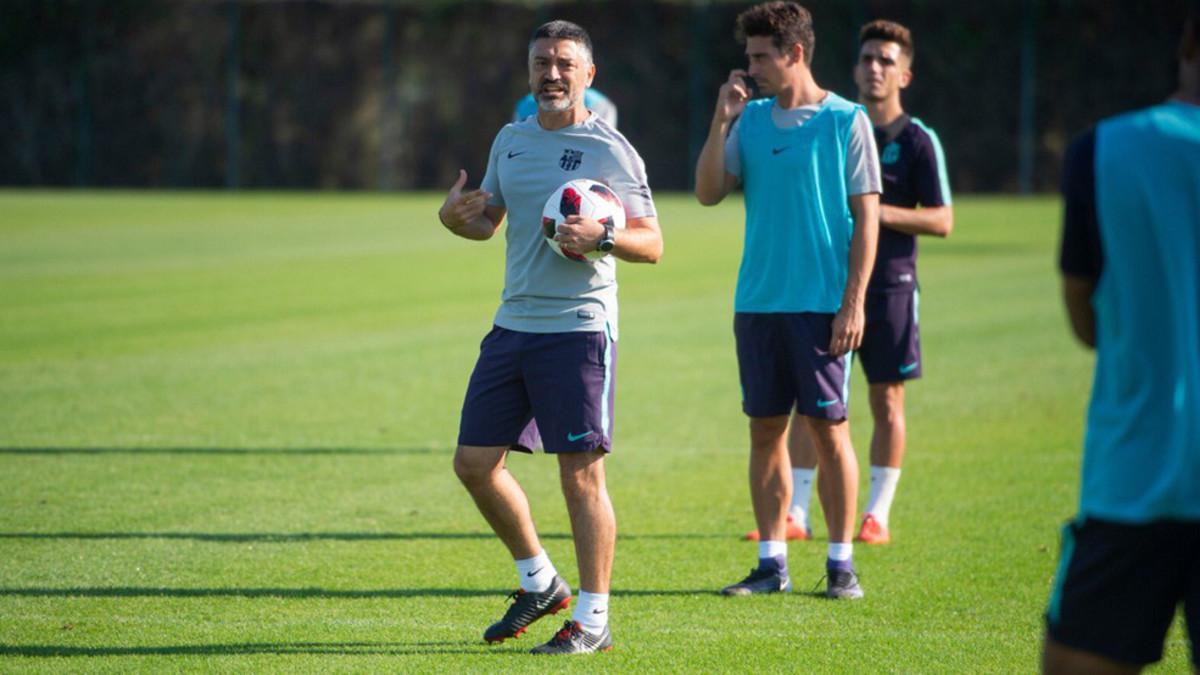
536, 573
883, 490
591, 611
802, 484
772, 549
841, 552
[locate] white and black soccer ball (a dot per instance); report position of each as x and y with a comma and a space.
586, 198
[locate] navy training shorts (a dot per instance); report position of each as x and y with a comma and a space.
784, 364
556, 386
891, 346
1118, 587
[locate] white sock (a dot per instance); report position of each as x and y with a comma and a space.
883, 490
536, 573
841, 552
770, 549
802, 484
591, 611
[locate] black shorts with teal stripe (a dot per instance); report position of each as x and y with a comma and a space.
1119, 585
891, 345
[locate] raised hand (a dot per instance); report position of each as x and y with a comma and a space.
462, 208
733, 95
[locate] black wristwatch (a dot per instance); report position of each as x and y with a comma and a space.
606, 243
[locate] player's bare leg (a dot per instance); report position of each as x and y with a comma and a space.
770, 476
770, 492
1059, 659
803, 458
835, 459
506, 508
887, 453
888, 438
594, 526
838, 471
499, 497
796, 526
593, 523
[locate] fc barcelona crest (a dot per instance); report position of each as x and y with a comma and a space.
571, 159
891, 154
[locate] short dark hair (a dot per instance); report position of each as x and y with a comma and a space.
888, 31
563, 30
786, 23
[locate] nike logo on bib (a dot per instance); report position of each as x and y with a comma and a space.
776, 151
516, 154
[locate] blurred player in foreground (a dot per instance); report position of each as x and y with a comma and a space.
1130, 261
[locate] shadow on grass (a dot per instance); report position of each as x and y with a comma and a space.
293, 593
292, 537
223, 451
251, 648
263, 537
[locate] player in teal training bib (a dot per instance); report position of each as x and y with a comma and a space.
807, 160
1131, 278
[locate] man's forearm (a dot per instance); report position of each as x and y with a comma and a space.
862, 248
710, 168
639, 243
937, 221
479, 229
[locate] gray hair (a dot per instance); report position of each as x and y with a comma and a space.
564, 30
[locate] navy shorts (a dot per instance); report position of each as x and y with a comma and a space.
784, 364
1118, 587
891, 346
562, 381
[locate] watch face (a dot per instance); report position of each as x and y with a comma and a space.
606, 245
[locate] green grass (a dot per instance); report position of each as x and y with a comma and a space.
226, 424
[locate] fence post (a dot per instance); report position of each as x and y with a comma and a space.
83, 98
1027, 133
233, 68
388, 122
700, 103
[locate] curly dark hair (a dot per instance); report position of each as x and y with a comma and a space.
786, 23
888, 31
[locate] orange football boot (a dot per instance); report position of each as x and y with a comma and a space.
872, 532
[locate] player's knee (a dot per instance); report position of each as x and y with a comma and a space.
765, 432
582, 481
887, 404
472, 467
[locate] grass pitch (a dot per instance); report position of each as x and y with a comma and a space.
226, 424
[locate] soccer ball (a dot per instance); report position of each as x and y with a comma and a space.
585, 198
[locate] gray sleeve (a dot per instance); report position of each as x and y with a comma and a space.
491, 180
733, 158
630, 182
862, 158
